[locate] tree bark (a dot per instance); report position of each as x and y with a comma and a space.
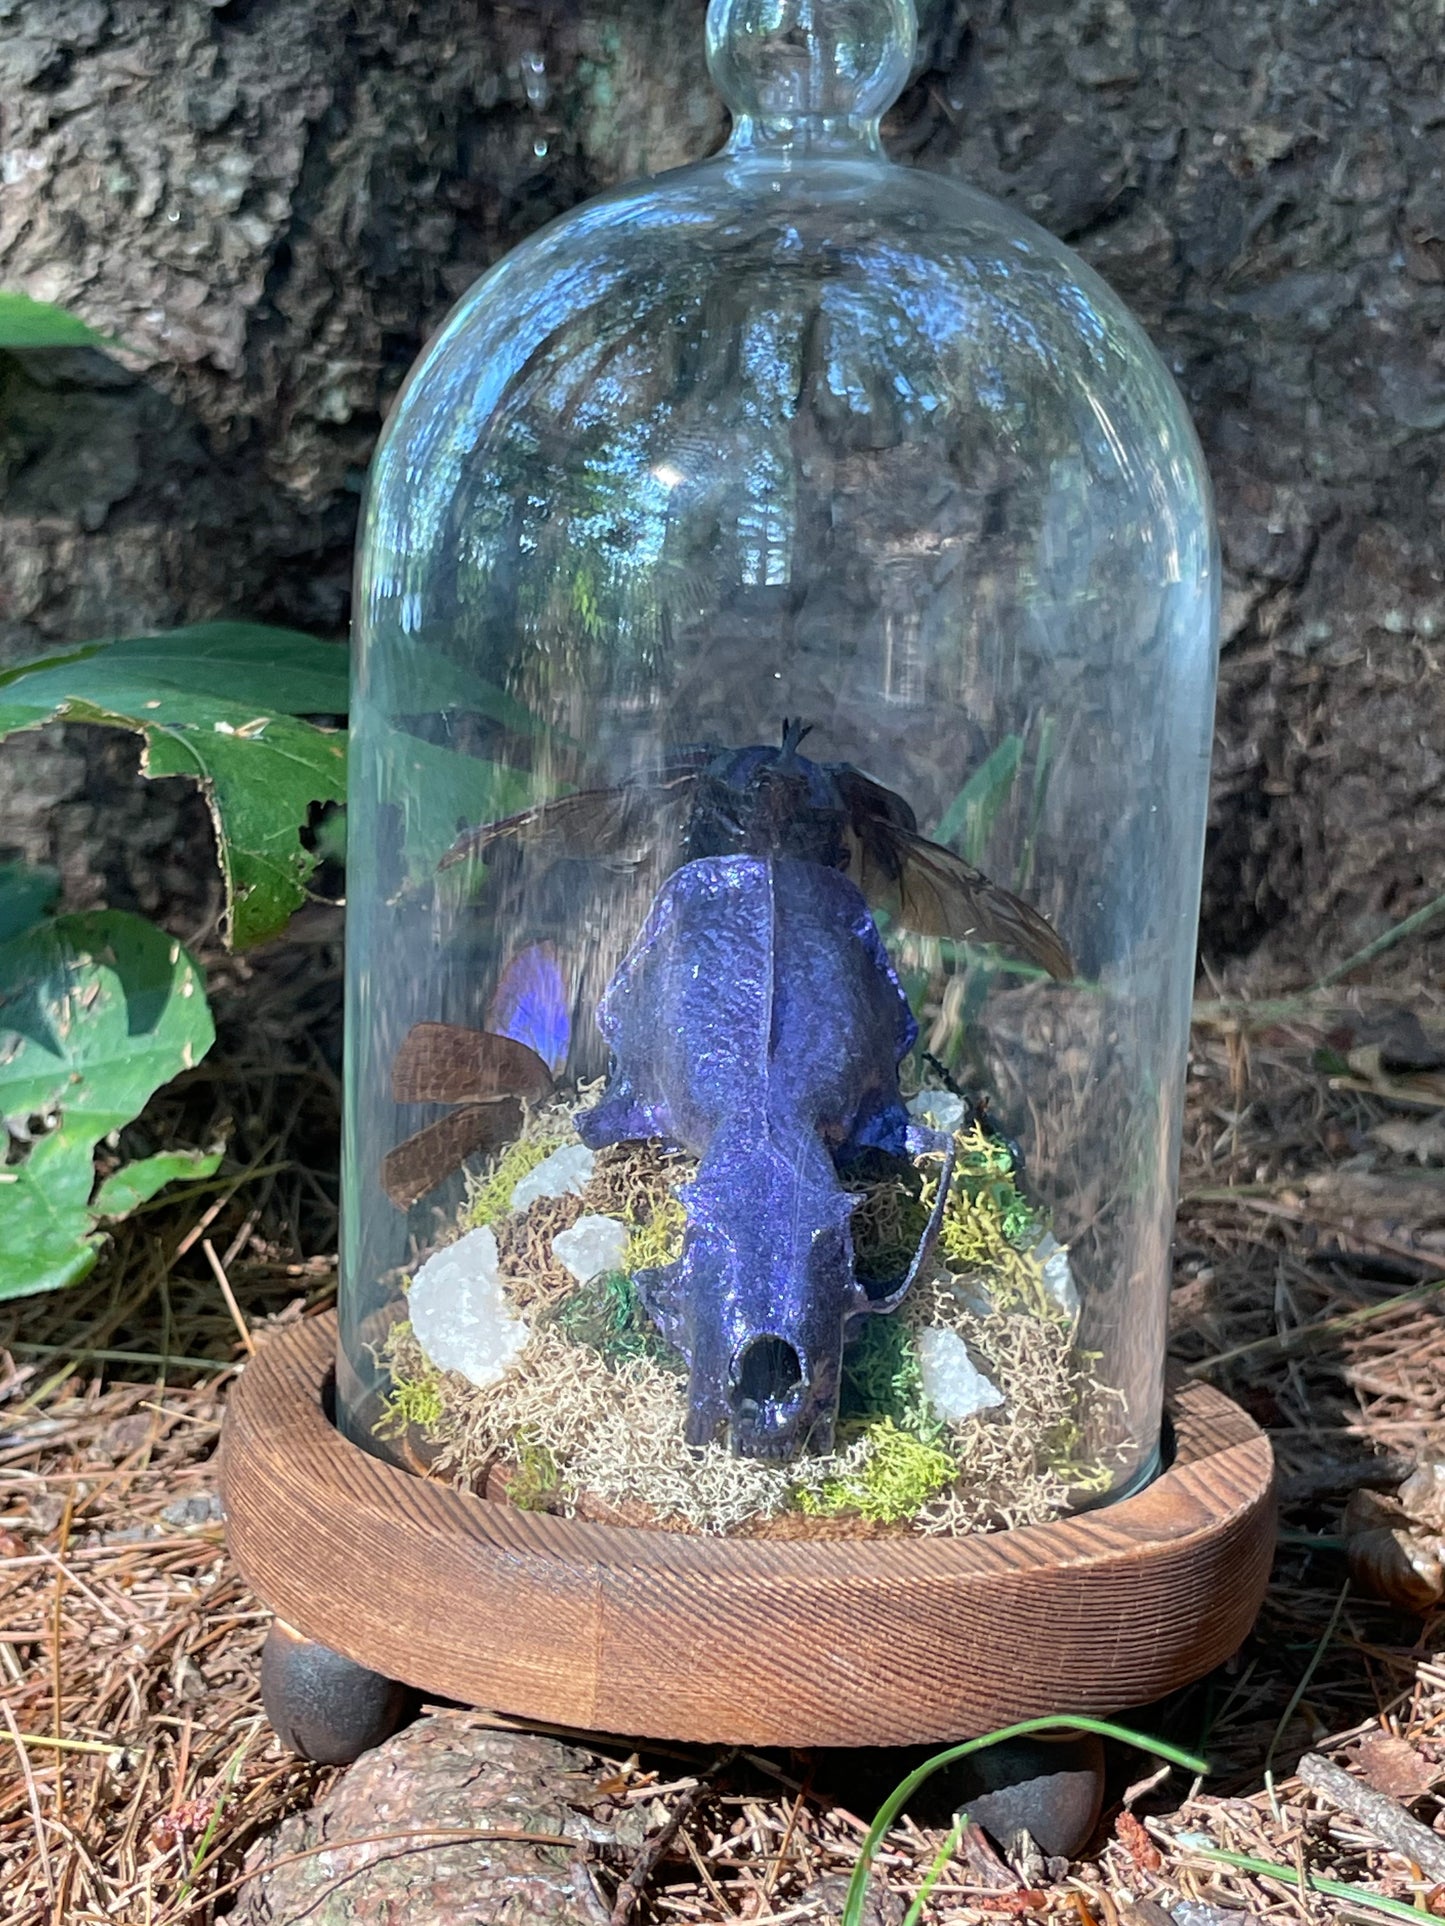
275, 201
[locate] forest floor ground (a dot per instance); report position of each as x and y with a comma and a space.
136, 1766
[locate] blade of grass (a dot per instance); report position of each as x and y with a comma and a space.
1303, 1687
1312, 1883
203, 1844
904, 1791
935, 1873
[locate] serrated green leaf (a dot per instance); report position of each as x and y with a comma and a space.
137, 1183
37, 324
97, 1011
218, 703
25, 896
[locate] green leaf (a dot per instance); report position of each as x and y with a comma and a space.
970, 817
36, 324
440, 791
25, 896
97, 1011
218, 703
246, 662
137, 1183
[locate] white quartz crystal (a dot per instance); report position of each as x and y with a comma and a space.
938, 1107
593, 1245
952, 1383
1052, 1257
460, 1317
566, 1173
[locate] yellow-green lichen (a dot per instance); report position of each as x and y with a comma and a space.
416, 1400
897, 1479
657, 1242
990, 1227
491, 1197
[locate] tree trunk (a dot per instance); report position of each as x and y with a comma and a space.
274, 202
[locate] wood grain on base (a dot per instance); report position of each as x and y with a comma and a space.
758, 1642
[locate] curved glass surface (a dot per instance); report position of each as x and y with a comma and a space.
797, 433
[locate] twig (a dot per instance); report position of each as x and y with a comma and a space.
219, 1273
1382, 1816
630, 1891
1325, 1327
33, 1794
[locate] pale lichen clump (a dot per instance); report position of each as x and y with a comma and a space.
612, 1434
589, 1416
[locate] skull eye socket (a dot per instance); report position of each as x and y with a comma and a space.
768, 1372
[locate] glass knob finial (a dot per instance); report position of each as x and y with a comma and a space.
785, 65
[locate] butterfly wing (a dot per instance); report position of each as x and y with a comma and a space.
532, 1005
428, 1157
447, 1063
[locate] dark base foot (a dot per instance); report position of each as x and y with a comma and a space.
1053, 1789
321, 1704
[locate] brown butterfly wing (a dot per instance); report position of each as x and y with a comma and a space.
427, 1158
445, 1063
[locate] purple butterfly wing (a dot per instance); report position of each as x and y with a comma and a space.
530, 1004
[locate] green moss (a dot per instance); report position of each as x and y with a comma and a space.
899, 1477
533, 1485
659, 1241
606, 1316
492, 1197
410, 1401
882, 1379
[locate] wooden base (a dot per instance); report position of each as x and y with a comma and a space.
751, 1641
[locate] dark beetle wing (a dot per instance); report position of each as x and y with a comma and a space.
620, 824
928, 888
939, 894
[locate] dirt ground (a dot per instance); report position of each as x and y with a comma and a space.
136, 1767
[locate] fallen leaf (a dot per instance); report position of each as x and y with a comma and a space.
1423, 1494
1392, 1766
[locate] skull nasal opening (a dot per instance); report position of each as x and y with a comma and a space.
769, 1370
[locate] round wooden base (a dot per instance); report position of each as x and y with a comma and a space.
750, 1641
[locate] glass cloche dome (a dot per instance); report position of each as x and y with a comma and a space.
785, 655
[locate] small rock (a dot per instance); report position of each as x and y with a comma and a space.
201, 1508
566, 1173
461, 1318
593, 1245
952, 1383
441, 1774
940, 1108
1052, 1789
1052, 1257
